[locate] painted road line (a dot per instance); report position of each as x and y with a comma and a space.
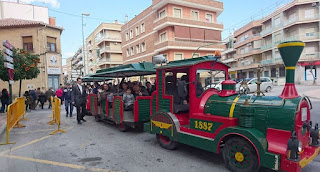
35, 131
29, 143
74, 166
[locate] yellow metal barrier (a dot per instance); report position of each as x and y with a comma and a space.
22, 103
57, 114
14, 113
53, 121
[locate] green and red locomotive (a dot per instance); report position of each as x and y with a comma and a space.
250, 131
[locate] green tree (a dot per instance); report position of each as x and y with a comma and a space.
25, 66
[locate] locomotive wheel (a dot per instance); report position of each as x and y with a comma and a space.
122, 127
240, 156
166, 142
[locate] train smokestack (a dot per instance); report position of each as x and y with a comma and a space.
290, 53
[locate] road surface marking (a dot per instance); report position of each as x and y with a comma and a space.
29, 143
74, 166
27, 132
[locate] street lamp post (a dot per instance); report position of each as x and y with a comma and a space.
83, 47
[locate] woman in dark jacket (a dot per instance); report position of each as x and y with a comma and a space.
4, 100
28, 101
42, 99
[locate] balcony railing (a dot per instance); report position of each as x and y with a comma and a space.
252, 36
266, 61
268, 46
310, 56
267, 31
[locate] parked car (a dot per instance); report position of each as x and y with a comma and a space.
266, 85
216, 85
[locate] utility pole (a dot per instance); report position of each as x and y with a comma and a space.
83, 47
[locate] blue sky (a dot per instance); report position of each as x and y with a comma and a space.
236, 13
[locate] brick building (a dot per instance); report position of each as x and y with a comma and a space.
103, 47
174, 28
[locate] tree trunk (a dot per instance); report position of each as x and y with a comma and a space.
20, 87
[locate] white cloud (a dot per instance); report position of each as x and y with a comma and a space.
53, 3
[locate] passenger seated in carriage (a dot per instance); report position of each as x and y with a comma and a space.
128, 100
105, 93
138, 92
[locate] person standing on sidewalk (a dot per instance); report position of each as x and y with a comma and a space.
28, 100
79, 99
34, 99
38, 92
48, 94
59, 93
66, 97
4, 100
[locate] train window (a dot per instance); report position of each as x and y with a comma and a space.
207, 78
177, 85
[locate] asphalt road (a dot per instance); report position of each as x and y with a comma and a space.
98, 146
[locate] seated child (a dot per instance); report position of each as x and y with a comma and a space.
128, 100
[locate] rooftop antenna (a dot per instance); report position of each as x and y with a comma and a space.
214, 43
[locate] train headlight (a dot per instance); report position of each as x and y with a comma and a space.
300, 146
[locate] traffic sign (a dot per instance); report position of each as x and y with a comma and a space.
8, 52
8, 58
8, 65
11, 74
7, 45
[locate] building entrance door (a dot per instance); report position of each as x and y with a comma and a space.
54, 81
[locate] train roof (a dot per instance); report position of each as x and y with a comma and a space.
191, 62
91, 78
135, 69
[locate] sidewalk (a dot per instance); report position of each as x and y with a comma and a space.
315, 94
3, 123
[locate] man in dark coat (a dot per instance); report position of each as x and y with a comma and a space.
79, 99
66, 97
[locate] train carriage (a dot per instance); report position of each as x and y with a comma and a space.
115, 113
250, 131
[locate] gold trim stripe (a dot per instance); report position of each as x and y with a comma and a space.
306, 161
233, 106
291, 44
290, 68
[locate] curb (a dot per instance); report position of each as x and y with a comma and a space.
3, 128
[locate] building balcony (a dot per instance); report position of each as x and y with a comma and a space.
228, 60
299, 20
186, 45
266, 32
252, 38
249, 53
229, 50
266, 62
266, 47
108, 61
173, 21
108, 49
250, 65
310, 56
107, 38
208, 5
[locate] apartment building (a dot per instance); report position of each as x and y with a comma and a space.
248, 53
103, 47
228, 55
37, 38
298, 20
77, 65
174, 28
